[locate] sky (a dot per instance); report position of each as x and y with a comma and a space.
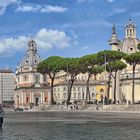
68, 28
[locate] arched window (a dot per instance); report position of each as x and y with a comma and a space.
45, 99
27, 99
133, 31
127, 32
25, 78
130, 32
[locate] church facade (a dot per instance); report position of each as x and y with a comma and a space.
31, 86
124, 78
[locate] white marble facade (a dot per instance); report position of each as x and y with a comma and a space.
31, 86
127, 45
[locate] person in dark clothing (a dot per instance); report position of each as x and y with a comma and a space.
2, 114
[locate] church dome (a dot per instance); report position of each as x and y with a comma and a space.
129, 45
31, 58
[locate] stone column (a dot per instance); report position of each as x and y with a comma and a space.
22, 97
118, 92
49, 96
32, 97
112, 90
43, 97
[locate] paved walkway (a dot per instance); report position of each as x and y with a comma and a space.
58, 125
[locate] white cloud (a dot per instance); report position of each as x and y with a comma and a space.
9, 45
42, 9
28, 8
110, 0
5, 3
49, 9
54, 38
45, 39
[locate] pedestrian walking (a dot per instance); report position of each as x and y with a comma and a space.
2, 114
97, 105
71, 107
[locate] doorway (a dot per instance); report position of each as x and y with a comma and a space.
36, 101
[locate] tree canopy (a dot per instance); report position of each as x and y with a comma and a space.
97, 70
50, 66
115, 66
71, 65
138, 46
133, 59
110, 56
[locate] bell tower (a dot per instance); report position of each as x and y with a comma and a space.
130, 30
114, 42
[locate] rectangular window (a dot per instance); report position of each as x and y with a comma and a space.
37, 79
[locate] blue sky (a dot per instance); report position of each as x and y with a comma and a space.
69, 28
